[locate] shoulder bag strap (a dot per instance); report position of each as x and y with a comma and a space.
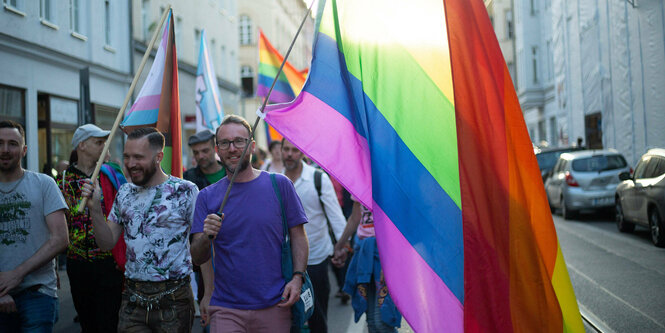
317, 183
281, 206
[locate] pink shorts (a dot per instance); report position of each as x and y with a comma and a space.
227, 320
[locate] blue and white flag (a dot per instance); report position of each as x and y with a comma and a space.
209, 110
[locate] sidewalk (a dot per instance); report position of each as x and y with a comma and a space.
340, 317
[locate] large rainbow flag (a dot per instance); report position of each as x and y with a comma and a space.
209, 107
411, 107
158, 102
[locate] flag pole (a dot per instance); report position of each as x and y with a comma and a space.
121, 113
263, 106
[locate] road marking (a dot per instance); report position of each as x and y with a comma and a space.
573, 268
593, 321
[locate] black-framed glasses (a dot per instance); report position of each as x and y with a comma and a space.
237, 142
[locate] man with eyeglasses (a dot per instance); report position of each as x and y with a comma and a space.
250, 293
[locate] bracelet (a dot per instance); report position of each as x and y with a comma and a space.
302, 275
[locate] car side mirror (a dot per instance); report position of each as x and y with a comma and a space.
625, 176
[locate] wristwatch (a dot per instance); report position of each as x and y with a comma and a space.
302, 275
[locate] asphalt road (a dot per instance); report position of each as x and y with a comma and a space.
619, 279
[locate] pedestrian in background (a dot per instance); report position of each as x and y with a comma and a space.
323, 212
95, 276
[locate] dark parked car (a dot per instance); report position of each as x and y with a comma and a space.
547, 158
640, 198
584, 180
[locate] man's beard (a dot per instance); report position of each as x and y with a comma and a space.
11, 166
243, 165
148, 173
290, 164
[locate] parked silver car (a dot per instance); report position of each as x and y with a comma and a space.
640, 198
583, 180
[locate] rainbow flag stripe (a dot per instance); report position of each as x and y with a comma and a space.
290, 81
411, 107
158, 102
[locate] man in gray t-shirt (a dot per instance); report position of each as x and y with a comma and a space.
33, 230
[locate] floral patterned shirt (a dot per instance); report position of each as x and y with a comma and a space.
156, 221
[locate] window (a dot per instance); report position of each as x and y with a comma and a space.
533, 6
245, 30
107, 22
534, 59
178, 33
542, 132
145, 25
223, 64
12, 104
197, 40
247, 75
509, 24
75, 16
15, 4
46, 11
659, 169
640, 169
553, 132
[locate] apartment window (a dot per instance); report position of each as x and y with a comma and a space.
245, 30
178, 33
15, 4
75, 16
46, 11
223, 64
197, 40
542, 132
107, 22
145, 25
509, 24
534, 62
247, 75
553, 132
533, 6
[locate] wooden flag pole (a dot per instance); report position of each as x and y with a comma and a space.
121, 113
263, 106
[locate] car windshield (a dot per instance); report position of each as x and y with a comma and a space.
548, 159
599, 163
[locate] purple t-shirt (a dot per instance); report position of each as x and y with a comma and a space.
248, 262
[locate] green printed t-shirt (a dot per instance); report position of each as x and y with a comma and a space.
23, 228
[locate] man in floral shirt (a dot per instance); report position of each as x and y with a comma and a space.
155, 212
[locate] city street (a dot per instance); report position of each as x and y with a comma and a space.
619, 279
340, 317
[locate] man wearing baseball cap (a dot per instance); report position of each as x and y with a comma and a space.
95, 276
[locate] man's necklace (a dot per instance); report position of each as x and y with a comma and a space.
15, 186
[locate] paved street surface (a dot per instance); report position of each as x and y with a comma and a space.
619, 279
340, 317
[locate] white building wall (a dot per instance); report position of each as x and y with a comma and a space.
40, 56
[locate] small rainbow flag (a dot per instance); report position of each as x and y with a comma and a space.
158, 102
290, 81
411, 107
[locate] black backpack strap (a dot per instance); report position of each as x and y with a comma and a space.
317, 184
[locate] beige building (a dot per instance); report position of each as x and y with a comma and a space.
220, 21
279, 20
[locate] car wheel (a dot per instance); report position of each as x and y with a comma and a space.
567, 213
622, 224
657, 229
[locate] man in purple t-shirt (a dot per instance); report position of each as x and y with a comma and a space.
250, 293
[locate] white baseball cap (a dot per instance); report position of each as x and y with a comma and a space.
84, 132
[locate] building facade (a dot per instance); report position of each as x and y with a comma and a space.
279, 20
64, 63
609, 72
219, 19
